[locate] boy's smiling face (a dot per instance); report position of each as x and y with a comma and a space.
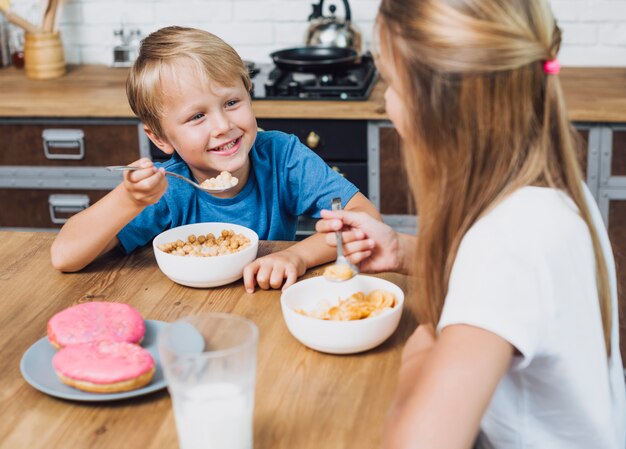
211, 126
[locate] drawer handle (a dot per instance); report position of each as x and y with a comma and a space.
66, 204
64, 138
313, 140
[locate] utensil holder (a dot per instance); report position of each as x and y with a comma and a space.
43, 55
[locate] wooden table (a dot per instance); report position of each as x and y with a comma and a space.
304, 399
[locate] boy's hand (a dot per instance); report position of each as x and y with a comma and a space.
270, 271
146, 186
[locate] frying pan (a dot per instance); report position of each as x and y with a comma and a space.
315, 58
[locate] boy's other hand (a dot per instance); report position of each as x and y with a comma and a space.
270, 271
147, 185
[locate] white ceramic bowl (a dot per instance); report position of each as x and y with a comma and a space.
338, 337
204, 271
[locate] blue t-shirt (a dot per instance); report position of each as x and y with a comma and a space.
286, 180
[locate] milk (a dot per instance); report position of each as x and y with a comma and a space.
213, 416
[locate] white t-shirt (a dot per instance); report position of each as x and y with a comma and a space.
526, 272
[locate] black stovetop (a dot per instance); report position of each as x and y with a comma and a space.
353, 83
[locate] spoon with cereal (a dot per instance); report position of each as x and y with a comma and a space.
343, 269
221, 183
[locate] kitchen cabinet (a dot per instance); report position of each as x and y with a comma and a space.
44, 208
58, 167
68, 143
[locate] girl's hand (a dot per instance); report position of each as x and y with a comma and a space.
367, 242
270, 271
146, 186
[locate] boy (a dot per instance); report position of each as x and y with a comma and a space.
191, 90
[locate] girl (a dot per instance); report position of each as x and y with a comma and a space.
515, 277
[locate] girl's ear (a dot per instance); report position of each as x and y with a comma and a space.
161, 143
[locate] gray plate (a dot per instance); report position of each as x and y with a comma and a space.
36, 367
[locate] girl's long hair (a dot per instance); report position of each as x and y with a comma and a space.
482, 119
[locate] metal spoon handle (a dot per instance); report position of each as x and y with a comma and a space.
169, 173
336, 205
122, 168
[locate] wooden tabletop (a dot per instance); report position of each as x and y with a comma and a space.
593, 94
304, 399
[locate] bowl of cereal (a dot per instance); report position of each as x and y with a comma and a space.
205, 254
342, 317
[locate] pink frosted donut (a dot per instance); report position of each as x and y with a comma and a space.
96, 321
104, 366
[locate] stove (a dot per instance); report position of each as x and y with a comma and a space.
351, 84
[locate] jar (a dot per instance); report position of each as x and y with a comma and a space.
43, 56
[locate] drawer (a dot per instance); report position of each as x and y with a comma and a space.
339, 140
43, 208
70, 143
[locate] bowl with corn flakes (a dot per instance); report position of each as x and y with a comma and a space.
205, 254
342, 317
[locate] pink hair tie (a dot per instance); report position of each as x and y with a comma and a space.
552, 67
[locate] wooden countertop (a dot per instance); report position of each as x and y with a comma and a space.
592, 95
304, 399
99, 91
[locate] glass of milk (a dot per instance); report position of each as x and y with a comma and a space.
209, 362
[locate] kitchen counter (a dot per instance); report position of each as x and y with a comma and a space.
592, 95
99, 91
304, 399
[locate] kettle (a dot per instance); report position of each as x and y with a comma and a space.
329, 31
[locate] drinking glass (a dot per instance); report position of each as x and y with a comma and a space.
209, 362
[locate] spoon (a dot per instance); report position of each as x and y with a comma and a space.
175, 175
343, 269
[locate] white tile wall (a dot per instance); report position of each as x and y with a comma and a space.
594, 30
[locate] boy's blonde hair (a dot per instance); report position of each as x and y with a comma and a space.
483, 119
162, 51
